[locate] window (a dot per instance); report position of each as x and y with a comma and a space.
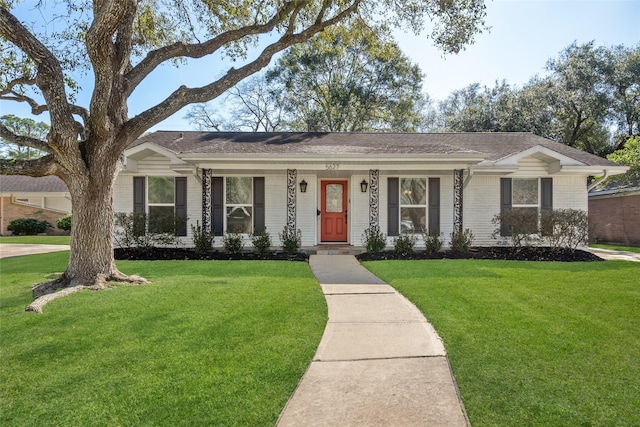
161, 204
163, 200
525, 201
239, 204
413, 205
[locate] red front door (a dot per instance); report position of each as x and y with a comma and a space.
333, 215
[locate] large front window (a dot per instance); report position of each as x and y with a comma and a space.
413, 205
239, 204
161, 204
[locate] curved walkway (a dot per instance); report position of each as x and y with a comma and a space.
613, 254
379, 363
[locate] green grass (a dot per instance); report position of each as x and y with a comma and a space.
207, 343
616, 247
534, 344
36, 240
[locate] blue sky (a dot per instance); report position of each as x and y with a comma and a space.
524, 35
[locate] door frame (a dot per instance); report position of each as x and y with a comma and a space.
347, 182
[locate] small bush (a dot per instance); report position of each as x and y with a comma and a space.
461, 242
131, 231
64, 223
517, 228
261, 241
432, 242
233, 242
565, 228
374, 240
291, 240
202, 239
404, 243
28, 226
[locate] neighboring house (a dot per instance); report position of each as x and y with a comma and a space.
46, 198
615, 214
333, 186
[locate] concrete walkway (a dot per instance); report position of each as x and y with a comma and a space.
8, 250
379, 363
612, 254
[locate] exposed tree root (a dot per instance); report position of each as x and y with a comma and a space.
48, 291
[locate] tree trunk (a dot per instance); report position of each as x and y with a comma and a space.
91, 263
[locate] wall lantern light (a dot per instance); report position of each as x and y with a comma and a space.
363, 186
303, 186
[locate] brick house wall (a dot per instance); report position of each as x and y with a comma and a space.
616, 217
13, 211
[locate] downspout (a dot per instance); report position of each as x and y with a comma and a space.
469, 176
598, 181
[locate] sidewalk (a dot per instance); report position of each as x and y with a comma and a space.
613, 254
379, 363
8, 250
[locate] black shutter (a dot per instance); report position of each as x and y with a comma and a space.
546, 206
505, 203
393, 206
258, 205
181, 206
434, 206
139, 208
138, 194
217, 205
547, 194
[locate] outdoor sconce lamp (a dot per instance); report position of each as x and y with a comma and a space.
363, 186
303, 186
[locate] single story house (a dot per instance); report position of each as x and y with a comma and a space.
615, 213
333, 186
46, 199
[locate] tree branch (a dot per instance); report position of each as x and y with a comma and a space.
42, 166
184, 96
198, 50
49, 77
25, 141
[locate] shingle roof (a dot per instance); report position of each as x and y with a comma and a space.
28, 184
494, 145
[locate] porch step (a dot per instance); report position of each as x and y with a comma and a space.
334, 250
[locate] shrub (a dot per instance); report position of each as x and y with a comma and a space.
565, 228
261, 241
518, 227
374, 240
132, 231
233, 242
432, 242
404, 243
461, 241
28, 226
64, 223
202, 239
291, 240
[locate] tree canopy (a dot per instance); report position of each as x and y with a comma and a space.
589, 100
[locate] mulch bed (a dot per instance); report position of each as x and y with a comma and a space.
501, 253
495, 252
155, 254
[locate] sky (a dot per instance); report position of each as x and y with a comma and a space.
524, 35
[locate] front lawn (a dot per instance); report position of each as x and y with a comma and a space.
533, 344
36, 240
207, 343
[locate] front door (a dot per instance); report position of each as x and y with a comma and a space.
333, 214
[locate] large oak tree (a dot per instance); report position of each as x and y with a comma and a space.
120, 43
